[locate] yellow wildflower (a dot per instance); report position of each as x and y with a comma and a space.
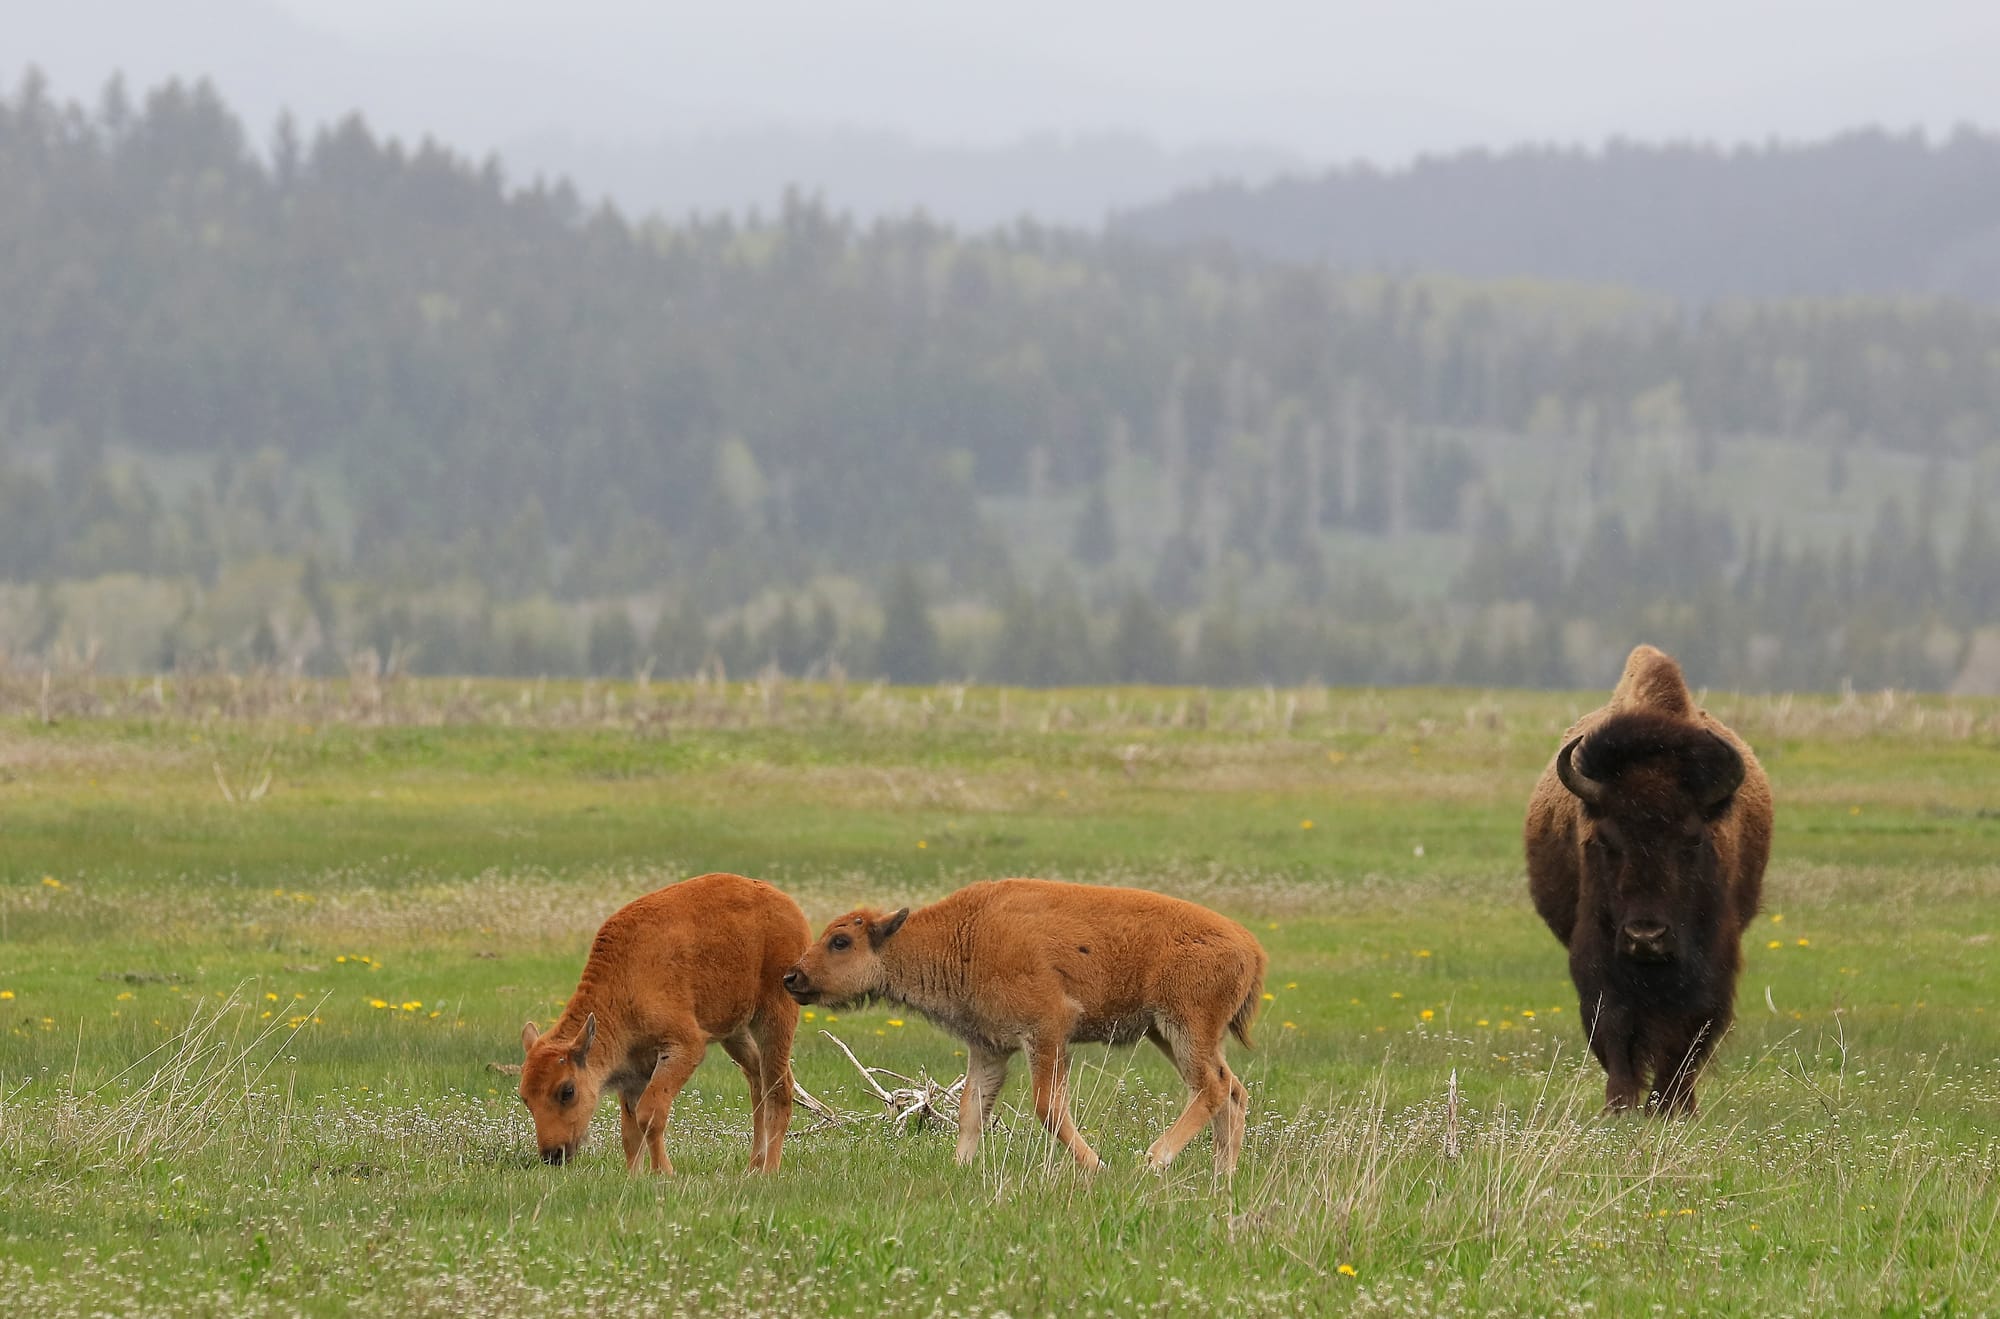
1346, 1271
895, 1021
1775, 943
50, 881
1305, 824
1427, 1014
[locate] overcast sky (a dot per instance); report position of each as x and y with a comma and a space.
1321, 77
1316, 82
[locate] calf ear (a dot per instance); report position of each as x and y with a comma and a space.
528, 1037
879, 932
581, 1051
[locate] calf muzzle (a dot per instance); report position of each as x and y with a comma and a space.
798, 986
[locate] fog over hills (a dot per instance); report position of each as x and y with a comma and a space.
1867, 212
1057, 111
648, 148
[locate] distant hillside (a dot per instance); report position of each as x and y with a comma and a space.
356, 397
1869, 212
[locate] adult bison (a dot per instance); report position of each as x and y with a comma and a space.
1646, 839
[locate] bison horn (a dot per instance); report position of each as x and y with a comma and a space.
1588, 790
1725, 775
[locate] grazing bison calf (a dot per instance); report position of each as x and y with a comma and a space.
1029, 963
1646, 840
669, 974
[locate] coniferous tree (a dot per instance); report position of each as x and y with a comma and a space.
613, 650
1096, 540
907, 651
680, 644
1143, 648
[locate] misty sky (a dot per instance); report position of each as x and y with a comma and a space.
1301, 83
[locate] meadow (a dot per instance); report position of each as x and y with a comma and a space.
266, 947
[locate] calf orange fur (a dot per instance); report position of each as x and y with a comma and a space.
693, 964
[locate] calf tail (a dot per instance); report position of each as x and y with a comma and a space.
1246, 1012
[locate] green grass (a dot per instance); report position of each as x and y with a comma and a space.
167, 1147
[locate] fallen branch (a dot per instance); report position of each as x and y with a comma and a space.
919, 1098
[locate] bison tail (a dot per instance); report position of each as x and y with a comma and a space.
1246, 1012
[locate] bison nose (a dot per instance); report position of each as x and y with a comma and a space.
795, 980
1646, 941
555, 1155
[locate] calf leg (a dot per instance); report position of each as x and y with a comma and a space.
1048, 1057
656, 1104
748, 1057
1229, 1131
774, 1027
1198, 1057
985, 1073
628, 1129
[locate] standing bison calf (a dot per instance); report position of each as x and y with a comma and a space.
1646, 839
695, 963
1029, 963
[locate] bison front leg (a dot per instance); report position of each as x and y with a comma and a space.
750, 1058
629, 1130
1614, 1041
985, 1073
677, 1063
1678, 1067
1049, 1058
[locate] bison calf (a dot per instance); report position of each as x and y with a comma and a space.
695, 963
1646, 840
1029, 963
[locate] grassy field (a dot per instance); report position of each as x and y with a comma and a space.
261, 945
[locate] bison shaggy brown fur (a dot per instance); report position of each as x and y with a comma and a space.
1646, 840
1032, 964
692, 964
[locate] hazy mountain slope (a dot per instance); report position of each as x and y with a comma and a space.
1867, 212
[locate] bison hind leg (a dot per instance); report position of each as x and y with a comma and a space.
1200, 1063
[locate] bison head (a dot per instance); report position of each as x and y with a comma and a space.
1653, 789
845, 965
560, 1089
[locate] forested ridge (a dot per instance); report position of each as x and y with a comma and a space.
290, 397
1866, 212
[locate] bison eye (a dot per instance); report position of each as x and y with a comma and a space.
566, 1095
840, 943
